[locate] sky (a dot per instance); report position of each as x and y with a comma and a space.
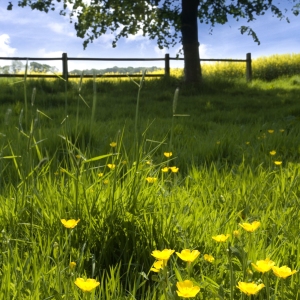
27, 33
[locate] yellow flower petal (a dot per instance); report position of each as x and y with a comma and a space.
69, 223
283, 272
250, 227
113, 144
168, 154
208, 258
86, 285
162, 255
186, 289
151, 179
72, 265
157, 266
174, 169
263, 266
250, 288
221, 238
236, 233
188, 255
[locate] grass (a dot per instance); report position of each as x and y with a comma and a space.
60, 165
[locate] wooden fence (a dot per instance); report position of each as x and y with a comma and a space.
166, 59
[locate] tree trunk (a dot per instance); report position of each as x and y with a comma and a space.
189, 31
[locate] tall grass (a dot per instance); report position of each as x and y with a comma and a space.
225, 151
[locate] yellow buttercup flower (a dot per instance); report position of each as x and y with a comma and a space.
277, 162
271, 130
263, 266
174, 169
221, 237
273, 152
186, 289
188, 255
283, 272
168, 154
157, 266
106, 181
113, 144
111, 166
151, 179
250, 288
208, 258
163, 255
72, 265
236, 233
69, 223
165, 169
100, 174
86, 285
250, 227
281, 130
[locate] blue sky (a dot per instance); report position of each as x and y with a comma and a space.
27, 33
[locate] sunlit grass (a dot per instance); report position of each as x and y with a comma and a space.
83, 208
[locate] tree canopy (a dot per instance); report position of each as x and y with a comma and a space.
167, 21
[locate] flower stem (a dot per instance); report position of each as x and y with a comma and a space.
165, 287
231, 273
189, 268
281, 289
266, 275
88, 296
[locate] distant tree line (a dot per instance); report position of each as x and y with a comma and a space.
114, 69
17, 66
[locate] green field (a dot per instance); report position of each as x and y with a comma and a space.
99, 151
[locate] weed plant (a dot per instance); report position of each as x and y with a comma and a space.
172, 174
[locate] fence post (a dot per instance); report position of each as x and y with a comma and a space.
248, 67
65, 66
167, 64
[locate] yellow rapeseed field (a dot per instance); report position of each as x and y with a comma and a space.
264, 68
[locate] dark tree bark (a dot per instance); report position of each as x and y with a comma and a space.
189, 31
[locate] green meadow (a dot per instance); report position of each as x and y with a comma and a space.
96, 175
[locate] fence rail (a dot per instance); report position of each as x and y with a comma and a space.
166, 59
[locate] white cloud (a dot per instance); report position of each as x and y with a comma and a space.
105, 40
161, 52
60, 29
5, 49
136, 37
44, 53
51, 54
204, 51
